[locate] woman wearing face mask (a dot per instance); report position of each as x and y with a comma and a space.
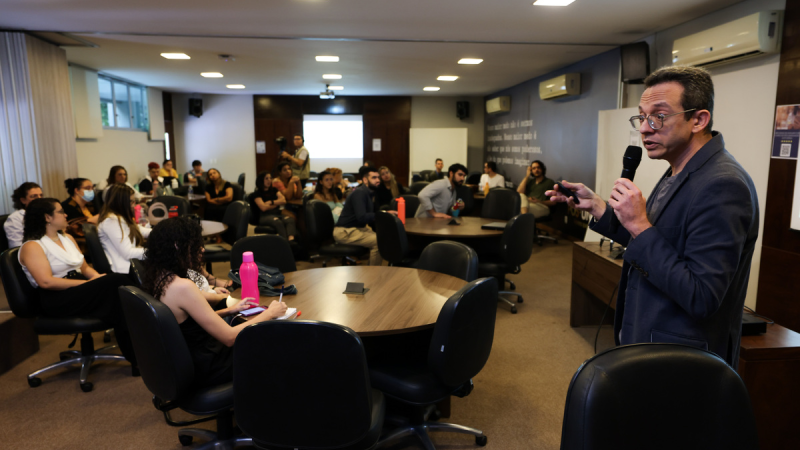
79, 207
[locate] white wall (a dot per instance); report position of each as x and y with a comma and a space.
222, 138
130, 149
440, 112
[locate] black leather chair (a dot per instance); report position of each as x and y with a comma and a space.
473, 178
236, 218
319, 226
458, 350
515, 250
173, 200
412, 204
24, 302
451, 258
349, 177
428, 175
501, 204
241, 179
238, 191
468, 197
657, 396
392, 240
271, 250
95, 249
3, 237
168, 372
417, 187
325, 400
138, 269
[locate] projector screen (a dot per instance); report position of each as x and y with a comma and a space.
334, 141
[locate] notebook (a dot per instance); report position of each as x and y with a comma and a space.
494, 226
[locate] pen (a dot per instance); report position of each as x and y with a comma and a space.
280, 299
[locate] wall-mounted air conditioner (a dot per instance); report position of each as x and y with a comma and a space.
560, 86
498, 104
753, 35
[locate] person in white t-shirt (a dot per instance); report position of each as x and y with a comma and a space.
119, 175
121, 236
491, 177
15, 222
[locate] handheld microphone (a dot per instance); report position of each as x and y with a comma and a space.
630, 162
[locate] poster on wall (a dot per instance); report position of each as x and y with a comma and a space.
787, 132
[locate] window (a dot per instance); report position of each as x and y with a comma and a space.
122, 104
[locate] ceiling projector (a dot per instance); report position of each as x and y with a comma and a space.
327, 94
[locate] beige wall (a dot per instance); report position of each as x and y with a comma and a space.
440, 112
129, 149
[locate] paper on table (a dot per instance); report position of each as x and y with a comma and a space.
289, 313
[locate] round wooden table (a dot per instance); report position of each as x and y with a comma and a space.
399, 299
470, 228
212, 228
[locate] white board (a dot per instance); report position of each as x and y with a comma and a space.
427, 144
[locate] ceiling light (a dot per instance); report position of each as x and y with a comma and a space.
332, 76
552, 2
211, 74
234, 86
336, 88
327, 59
430, 88
469, 61
175, 56
447, 78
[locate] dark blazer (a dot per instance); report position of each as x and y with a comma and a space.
685, 279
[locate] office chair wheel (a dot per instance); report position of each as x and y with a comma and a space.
435, 415
185, 440
513, 310
519, 299
87, 387
512, 285
106, 337
34, 382
481, 440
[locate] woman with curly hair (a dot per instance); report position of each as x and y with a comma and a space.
121, 236
67, 286
24, 194
175, 252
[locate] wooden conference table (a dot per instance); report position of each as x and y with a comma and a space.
212, 228
439, 228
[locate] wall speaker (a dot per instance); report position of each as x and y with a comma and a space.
462, 110
196, 107
635, 62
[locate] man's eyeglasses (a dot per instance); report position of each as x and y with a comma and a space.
656, 121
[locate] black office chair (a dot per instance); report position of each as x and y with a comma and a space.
98, 201
417, 187
501, 204
240, 180
236, 217
461, 343
24, 302
468, 197
319, 225
412, 204
349, 177
271, 250
95, 249
138, 269
515, 250
657, 396
238, 192
3, 238
473, 178
392, 240
451, 258
428, 175
168, 372
169, 201
325, 400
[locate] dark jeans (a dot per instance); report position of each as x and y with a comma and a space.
284, 225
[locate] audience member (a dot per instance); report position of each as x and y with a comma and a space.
532, 190
121, 236
439, 170
288, 184
439, 197
153, 184
358, 213
67, 286
78, 206
119, 175
196, 176
266, 204
388, 189
15, 223
338, 181
300, 162
169, 173
219, 194
490, 178
175, 248
326, 192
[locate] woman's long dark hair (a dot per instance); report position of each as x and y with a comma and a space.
260, 182
320, 189
35, 223
73, 183
118, 203
112, 175
175, 245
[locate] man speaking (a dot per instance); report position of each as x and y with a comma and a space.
689, 246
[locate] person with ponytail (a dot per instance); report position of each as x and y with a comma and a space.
78, 206
121, 236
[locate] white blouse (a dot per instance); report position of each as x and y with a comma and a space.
14, 227
115, 236
62, 260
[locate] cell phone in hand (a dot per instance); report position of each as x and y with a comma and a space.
252, 311
567, 193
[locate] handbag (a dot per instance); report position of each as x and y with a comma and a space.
269, 281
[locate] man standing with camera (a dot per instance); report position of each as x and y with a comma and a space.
300, 161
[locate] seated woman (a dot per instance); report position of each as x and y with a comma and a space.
168, 173
266, 203
78, 206
153, 184
119, 233
67, 286
219, 194
22, 196
325, 192
286, 183
117, 175
388, 190
175, 248
339, 183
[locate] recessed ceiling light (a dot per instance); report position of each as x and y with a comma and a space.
552, 2
175, 56
336, 88
327, 58
470, 61
211, 74
332, 76
234, 86
430, 88
447, 78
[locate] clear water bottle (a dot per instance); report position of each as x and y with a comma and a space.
248, 273
191, 191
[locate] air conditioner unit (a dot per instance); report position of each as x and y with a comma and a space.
498, 104
560, 86
753, 35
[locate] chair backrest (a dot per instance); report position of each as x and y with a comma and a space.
391, 235
466, 195
417, 187
319, 223
3, 237
22, 297
349, 177
412, 204
173, 200
237, 217
238, 191
138, 269
272, 250
161, 351
463, 334
95, 249
659, 396
241, 179
501, 204
474, 178
517, 241
324, 399
451, 258
428, 175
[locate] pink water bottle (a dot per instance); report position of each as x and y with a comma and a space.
401, 209
137, 211
248, 273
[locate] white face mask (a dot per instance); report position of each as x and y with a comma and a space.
88, 195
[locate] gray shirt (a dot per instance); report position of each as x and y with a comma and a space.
439, 196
